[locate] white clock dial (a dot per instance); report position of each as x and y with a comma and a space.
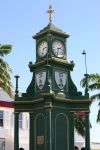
60, 78
42, 48
58, 48
40, 79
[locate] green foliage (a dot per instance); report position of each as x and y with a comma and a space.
80, 125
93, 82
5, 49
5, 70
98, 116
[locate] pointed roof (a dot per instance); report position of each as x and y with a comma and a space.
50, 28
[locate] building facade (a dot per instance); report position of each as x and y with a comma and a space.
7, 124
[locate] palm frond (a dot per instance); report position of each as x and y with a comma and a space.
93, 82
4, 66
98, 116
95, 96
5, 70
91, 79
5, 49
5, 78
83, 82
94, 77
7, 87
94, 86
80, 125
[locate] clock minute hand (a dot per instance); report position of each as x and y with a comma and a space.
59, 48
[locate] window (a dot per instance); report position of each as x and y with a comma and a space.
2, 144
6, 119
1, 118
20, 120
12, 120
27, 120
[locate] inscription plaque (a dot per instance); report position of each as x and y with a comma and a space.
40, 140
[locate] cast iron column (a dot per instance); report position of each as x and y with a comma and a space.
49, 128
87, 134
16, 131
71, 134
31, 132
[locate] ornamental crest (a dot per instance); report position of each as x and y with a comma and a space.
60, 78
40, 79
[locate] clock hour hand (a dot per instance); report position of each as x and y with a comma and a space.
43, 50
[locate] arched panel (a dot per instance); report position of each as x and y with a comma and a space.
40, 132
61, 132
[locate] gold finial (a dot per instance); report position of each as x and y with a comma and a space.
50, 12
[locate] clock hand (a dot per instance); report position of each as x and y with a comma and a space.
60, 50
43, 49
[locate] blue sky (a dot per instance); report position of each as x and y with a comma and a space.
20, 19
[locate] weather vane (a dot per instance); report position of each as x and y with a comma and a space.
50, 12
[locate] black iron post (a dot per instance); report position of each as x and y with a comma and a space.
86, 75
16, 89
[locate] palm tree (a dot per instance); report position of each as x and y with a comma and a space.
93, 83
5, 70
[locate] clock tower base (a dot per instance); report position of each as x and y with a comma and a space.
51, 121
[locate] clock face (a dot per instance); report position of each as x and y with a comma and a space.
42, 48
58, 48
60, 78
40, 79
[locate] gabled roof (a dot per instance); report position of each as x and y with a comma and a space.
50, 28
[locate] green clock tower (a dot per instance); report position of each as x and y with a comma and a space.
52, 98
